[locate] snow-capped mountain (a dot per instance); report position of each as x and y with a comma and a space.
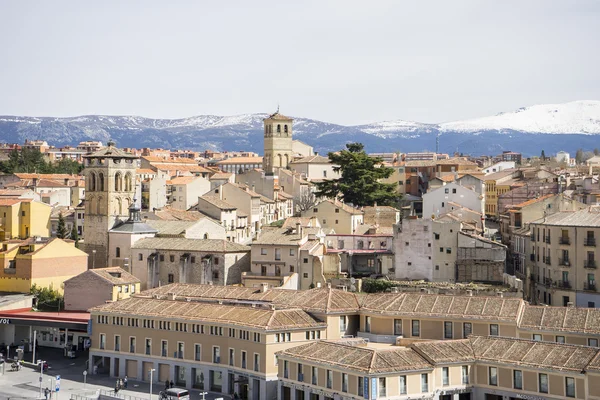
551, 127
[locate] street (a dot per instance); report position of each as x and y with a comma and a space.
25, 384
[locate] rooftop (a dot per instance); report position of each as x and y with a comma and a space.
589, 217
241, 160
567, 319
183, 244
316, 159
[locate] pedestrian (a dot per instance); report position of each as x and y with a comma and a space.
172, 384
117, 387
46, 393
166, 384
125, 382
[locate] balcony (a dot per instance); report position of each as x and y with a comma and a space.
590, 286
564, 240
547, 260
547, 281
547, 239
590, 242
563, 284
564, 262
589, 264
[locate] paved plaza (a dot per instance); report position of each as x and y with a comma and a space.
25, 384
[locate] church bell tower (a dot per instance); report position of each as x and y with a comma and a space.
278, 143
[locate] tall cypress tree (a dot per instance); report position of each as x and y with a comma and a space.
61, 231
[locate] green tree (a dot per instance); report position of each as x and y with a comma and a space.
47, 299
61, 230
579, 156
596, 152
359, 183
67, 166
75, 235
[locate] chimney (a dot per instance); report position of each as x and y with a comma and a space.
264, 287
170, 296
469, 293
500, 294
273, 307
318, 285
394, 289
570, 304
328, 285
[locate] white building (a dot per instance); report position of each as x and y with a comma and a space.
315, 168
185, 191
499, 166
563, 156
436, 202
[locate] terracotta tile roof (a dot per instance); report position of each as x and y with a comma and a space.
144, 171
426, 305
220, 176
282, 236
170, 214
114, 275
532, 201
183, 244
217, 202
278, 116
446, 351
494, 176
594, 365
262, 318
455, 161
154, 159
316, 159
359, 358
183, 180
533, 354
170, 228
420, 163
11, 201
292, 221
562, 319
110, 152
174, 167
587, 217
343, 206
46, 176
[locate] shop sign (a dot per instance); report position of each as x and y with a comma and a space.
4, 321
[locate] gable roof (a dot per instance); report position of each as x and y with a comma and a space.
562, 319
183, 244
112, 275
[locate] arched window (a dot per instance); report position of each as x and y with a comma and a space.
118, 252
287, 160
101, 182
278, 128
206, 236
128, 182
92, 182
118, 182
285, 129
278, 160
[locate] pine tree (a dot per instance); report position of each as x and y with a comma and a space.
359, 183
596, 152
543, 156
75, 235
61, 231
579, 156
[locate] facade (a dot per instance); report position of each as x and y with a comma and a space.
98, 286
277, 142
361, 255
185, 191
333, 215
499, 166
315, 168
110, 187
23, 218
436, 202
43, 262
492, 191
235, 222
245, 200
564, 248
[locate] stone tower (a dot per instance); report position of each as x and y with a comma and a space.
278, 143
110, 175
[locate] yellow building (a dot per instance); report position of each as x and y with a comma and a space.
494, 186
41, 262
23, 218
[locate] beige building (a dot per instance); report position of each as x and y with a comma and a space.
185, 190
233, 220
98, 286
333, 215
277, 143
565, 262
315, 167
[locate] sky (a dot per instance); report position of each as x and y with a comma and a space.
347, 62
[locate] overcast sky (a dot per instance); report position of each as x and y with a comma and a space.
347, 62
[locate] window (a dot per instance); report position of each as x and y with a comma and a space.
416, 327
467, 329
343, 323
140, 257
402, 384
570, 387
344, 382
493, 376
424, 383
361, 388
300, 373
118, 252
162, 257
172, 258
163, 347
593, 342
441, 249
170, 278
382, 387
286, 369
315, 210
445, 376
305, 261
180, 350
543, 383
517, 379
454, 191
117, 343
448, 250
537, 337
292, 253
263, 251
216, 354
493, 329
197, 352
244, 358
102, 341
148, 346
305, 275
256, 362
465, 374
314, 375
446, 190
132, 345
447, 329
560, 339
367, 324
329, 379
397, 327
277, 254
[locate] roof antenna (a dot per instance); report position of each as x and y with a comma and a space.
277, 107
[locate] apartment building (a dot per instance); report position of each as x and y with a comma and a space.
183, 191
233, 220
315, 167
488, 331
481, 367
333, 215
22, 218
564, 248
361, 255
436, 202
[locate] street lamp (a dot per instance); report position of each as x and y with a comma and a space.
151, 372
203, 394
84, 378
41, 364
93, 259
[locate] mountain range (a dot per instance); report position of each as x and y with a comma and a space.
548, 127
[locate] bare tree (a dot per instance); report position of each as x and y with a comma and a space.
304, 202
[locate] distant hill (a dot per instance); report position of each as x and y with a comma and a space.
552, 127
